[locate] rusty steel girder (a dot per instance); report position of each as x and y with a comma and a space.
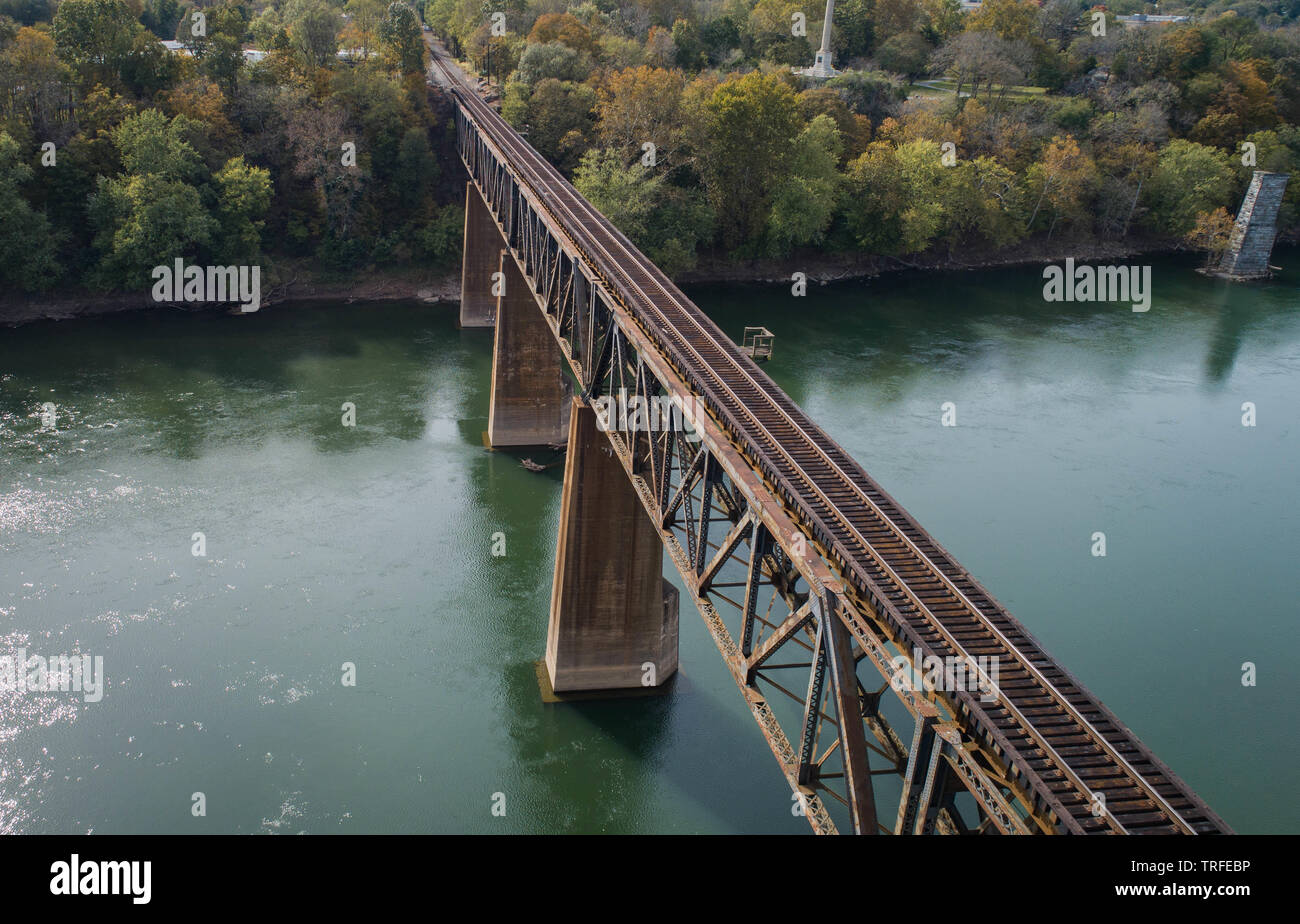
772, 579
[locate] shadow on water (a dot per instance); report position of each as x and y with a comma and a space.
904, 328
1243, 309
622, 760
223, 374
601, 755
597, 765
1231, 324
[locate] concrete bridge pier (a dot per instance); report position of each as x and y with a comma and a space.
531, 396
613, 617
480, 248
1251, 243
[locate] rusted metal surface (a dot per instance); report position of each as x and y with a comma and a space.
768, 519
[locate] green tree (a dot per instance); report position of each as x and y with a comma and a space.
554, 60
416, 168
148, 68
33, 81
151, 143
941, 19
893, 17
243, 195
266, 27
95, 37
742, 140
905, 53
313, 29
805, 201
984, 203
143, 222
898, 197
854, 29
220, 52
665, 222
161, 17
719, 36
438, 241
769, 30
27, 244
27, 12
153, 212
402, 39
690, 50
873, 94
558, 116
364, 19
1189, 179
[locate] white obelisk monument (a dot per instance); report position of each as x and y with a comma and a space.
822, 67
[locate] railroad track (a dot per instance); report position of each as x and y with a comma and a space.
1067, 747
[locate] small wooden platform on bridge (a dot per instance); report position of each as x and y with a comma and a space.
757, 343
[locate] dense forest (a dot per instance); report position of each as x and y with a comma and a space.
975, 129
1057, 120
118, 154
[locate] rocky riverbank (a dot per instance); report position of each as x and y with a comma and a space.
299, 285
827, 268
408, 285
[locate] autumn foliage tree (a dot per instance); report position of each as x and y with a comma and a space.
1211, 232
1062, 183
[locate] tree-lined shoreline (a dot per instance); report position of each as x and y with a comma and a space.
443, 290
303, 134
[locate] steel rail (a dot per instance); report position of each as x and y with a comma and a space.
832, 507
547, 198
540, 190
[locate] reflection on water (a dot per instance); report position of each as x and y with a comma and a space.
370, 546
325, 545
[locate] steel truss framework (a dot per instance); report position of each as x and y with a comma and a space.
812, 655
783, 611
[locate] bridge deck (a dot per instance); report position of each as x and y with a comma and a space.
1062, 740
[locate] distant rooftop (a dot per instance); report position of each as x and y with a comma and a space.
254, 55
251, 55
1144, 19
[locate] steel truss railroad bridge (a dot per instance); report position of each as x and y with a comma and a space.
812, 580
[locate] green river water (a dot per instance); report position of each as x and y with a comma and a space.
372, 545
